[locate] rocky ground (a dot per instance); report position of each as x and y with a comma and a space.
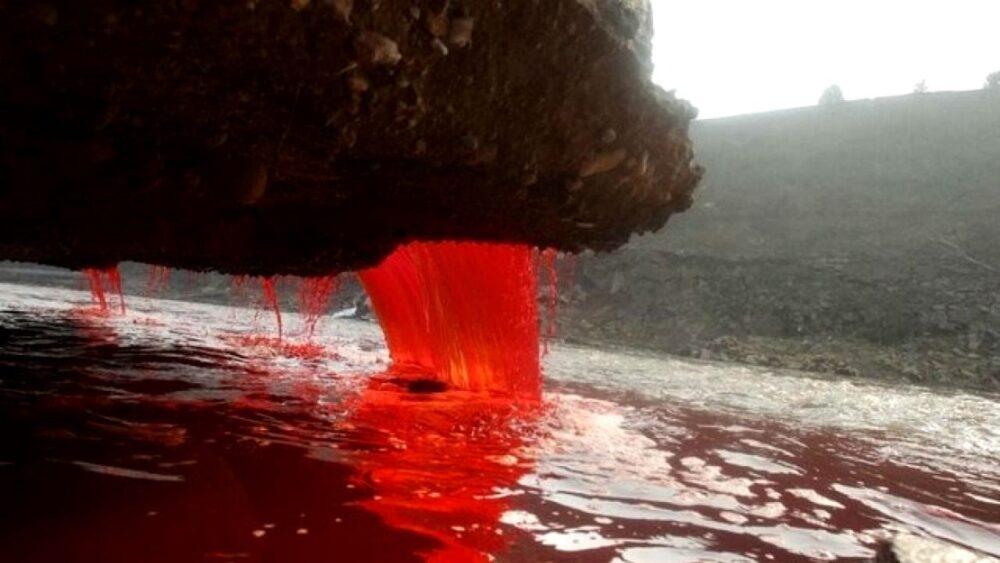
932, 323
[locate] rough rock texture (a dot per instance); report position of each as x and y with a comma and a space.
298, 136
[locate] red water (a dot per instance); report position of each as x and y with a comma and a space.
110, 277
462, 313
161, 442
270, 294
314, 298
93, 276
441, 461
271, 346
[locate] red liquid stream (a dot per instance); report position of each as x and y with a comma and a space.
463, 313
271, 300
314, 298
96, 278
93, 276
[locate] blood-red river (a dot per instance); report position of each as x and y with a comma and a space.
171, 434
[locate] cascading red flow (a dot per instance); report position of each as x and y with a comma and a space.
463, 313
314, 298
101, 279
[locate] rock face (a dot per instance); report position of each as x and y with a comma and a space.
311, 136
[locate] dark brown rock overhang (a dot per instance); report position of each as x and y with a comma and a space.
308, 137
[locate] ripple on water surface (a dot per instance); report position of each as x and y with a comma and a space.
169, 435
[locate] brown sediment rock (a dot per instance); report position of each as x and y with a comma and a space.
278, 136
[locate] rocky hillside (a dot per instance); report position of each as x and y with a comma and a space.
859, 238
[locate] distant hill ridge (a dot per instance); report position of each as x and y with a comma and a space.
840, 178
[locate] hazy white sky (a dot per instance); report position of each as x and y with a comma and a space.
742, 56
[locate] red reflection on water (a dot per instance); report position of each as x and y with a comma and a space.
108, 278
139, 451
438, 465
461, 312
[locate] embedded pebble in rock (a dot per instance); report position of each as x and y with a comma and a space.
439, 46
460, 31
342, 8
376, 49
603, 162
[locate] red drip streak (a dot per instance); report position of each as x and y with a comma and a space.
271, 299
114, 282
462, 313
96, 287
314, 298
549, 263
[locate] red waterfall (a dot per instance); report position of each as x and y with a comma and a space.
460, 312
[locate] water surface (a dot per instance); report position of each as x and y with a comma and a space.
183, 432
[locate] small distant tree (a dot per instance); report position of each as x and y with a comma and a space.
832, 95
920, 87
992, 82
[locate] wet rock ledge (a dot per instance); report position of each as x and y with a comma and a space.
311, 136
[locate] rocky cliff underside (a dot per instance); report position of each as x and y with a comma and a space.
307, 137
